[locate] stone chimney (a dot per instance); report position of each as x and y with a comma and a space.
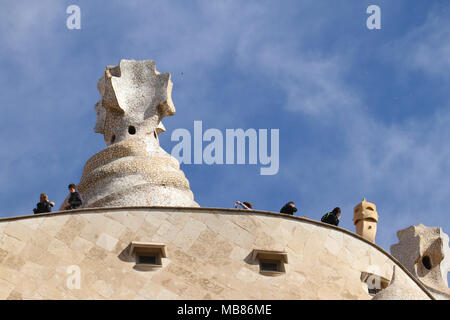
425, 252
365, 218
133, 170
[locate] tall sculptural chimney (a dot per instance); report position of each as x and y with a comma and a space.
365, 218
134, 170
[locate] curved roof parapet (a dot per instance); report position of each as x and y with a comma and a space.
226, 211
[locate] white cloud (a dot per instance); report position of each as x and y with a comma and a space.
200, 37
28, 26
425, 48
312, 84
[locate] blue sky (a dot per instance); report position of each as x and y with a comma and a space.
361, 113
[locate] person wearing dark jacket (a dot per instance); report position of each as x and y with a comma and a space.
44, 205
289, 208
332, 217
74, 200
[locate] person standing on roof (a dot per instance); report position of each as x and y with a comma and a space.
74, 201
332, 217
44, 205
289, 208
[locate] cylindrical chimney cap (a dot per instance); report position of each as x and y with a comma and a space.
365, 211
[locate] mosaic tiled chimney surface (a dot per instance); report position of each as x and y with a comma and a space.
134, 170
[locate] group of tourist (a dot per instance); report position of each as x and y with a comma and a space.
289, 208
73, 202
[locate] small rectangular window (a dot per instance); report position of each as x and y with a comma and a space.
147, 255
269, 266
271, 263
148, 259
375, 283
373, 291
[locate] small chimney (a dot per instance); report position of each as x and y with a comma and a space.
365, 218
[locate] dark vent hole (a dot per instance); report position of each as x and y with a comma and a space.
147, 259
374, 291
268, 266
131, 130
426, 261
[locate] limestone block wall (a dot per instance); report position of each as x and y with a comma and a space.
208, 256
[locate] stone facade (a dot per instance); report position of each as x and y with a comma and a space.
208, 256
